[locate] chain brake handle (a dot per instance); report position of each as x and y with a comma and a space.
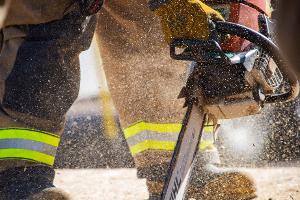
193, 47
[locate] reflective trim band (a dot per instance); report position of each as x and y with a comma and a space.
152, 136
208, 129
206, 145
27, 134
29, 145
23, 154
26, 144
144, 136
153, 145
144, 126
159, 128
165, 137
165, 146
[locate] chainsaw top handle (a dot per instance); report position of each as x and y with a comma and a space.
251, 35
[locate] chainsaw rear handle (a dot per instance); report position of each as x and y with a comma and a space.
255, 37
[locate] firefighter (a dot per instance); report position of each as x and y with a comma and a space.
39, 81
137, 64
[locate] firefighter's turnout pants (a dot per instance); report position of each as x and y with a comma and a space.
39, 81
144, 83
39, 77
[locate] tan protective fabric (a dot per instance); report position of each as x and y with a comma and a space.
22, 12
12, 38
3, 10
143, 80
36, 11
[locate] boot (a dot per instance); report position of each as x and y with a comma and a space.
52, 193
154, 197
212, 183
209, 182
216, 184
30, 183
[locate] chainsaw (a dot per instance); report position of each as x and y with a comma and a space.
229, 78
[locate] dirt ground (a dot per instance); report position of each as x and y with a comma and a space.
121, 184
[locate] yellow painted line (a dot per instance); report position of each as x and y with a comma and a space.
109, 123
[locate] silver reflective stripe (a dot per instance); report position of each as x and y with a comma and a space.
156, 136
207, 136
152, 136
29, 145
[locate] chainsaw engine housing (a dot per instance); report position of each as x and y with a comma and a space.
239, 88
236, 84
240, 14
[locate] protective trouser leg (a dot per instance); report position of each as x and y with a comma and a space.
3, 10
144, 83
39, 81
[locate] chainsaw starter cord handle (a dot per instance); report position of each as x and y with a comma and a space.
270, 48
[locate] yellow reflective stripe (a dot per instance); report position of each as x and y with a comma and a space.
160, 128
109, 122
208, 129
144, 126
26, 155
165, 146
15, 133
206, 144
154, 145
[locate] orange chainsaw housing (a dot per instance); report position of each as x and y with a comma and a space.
240, 14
